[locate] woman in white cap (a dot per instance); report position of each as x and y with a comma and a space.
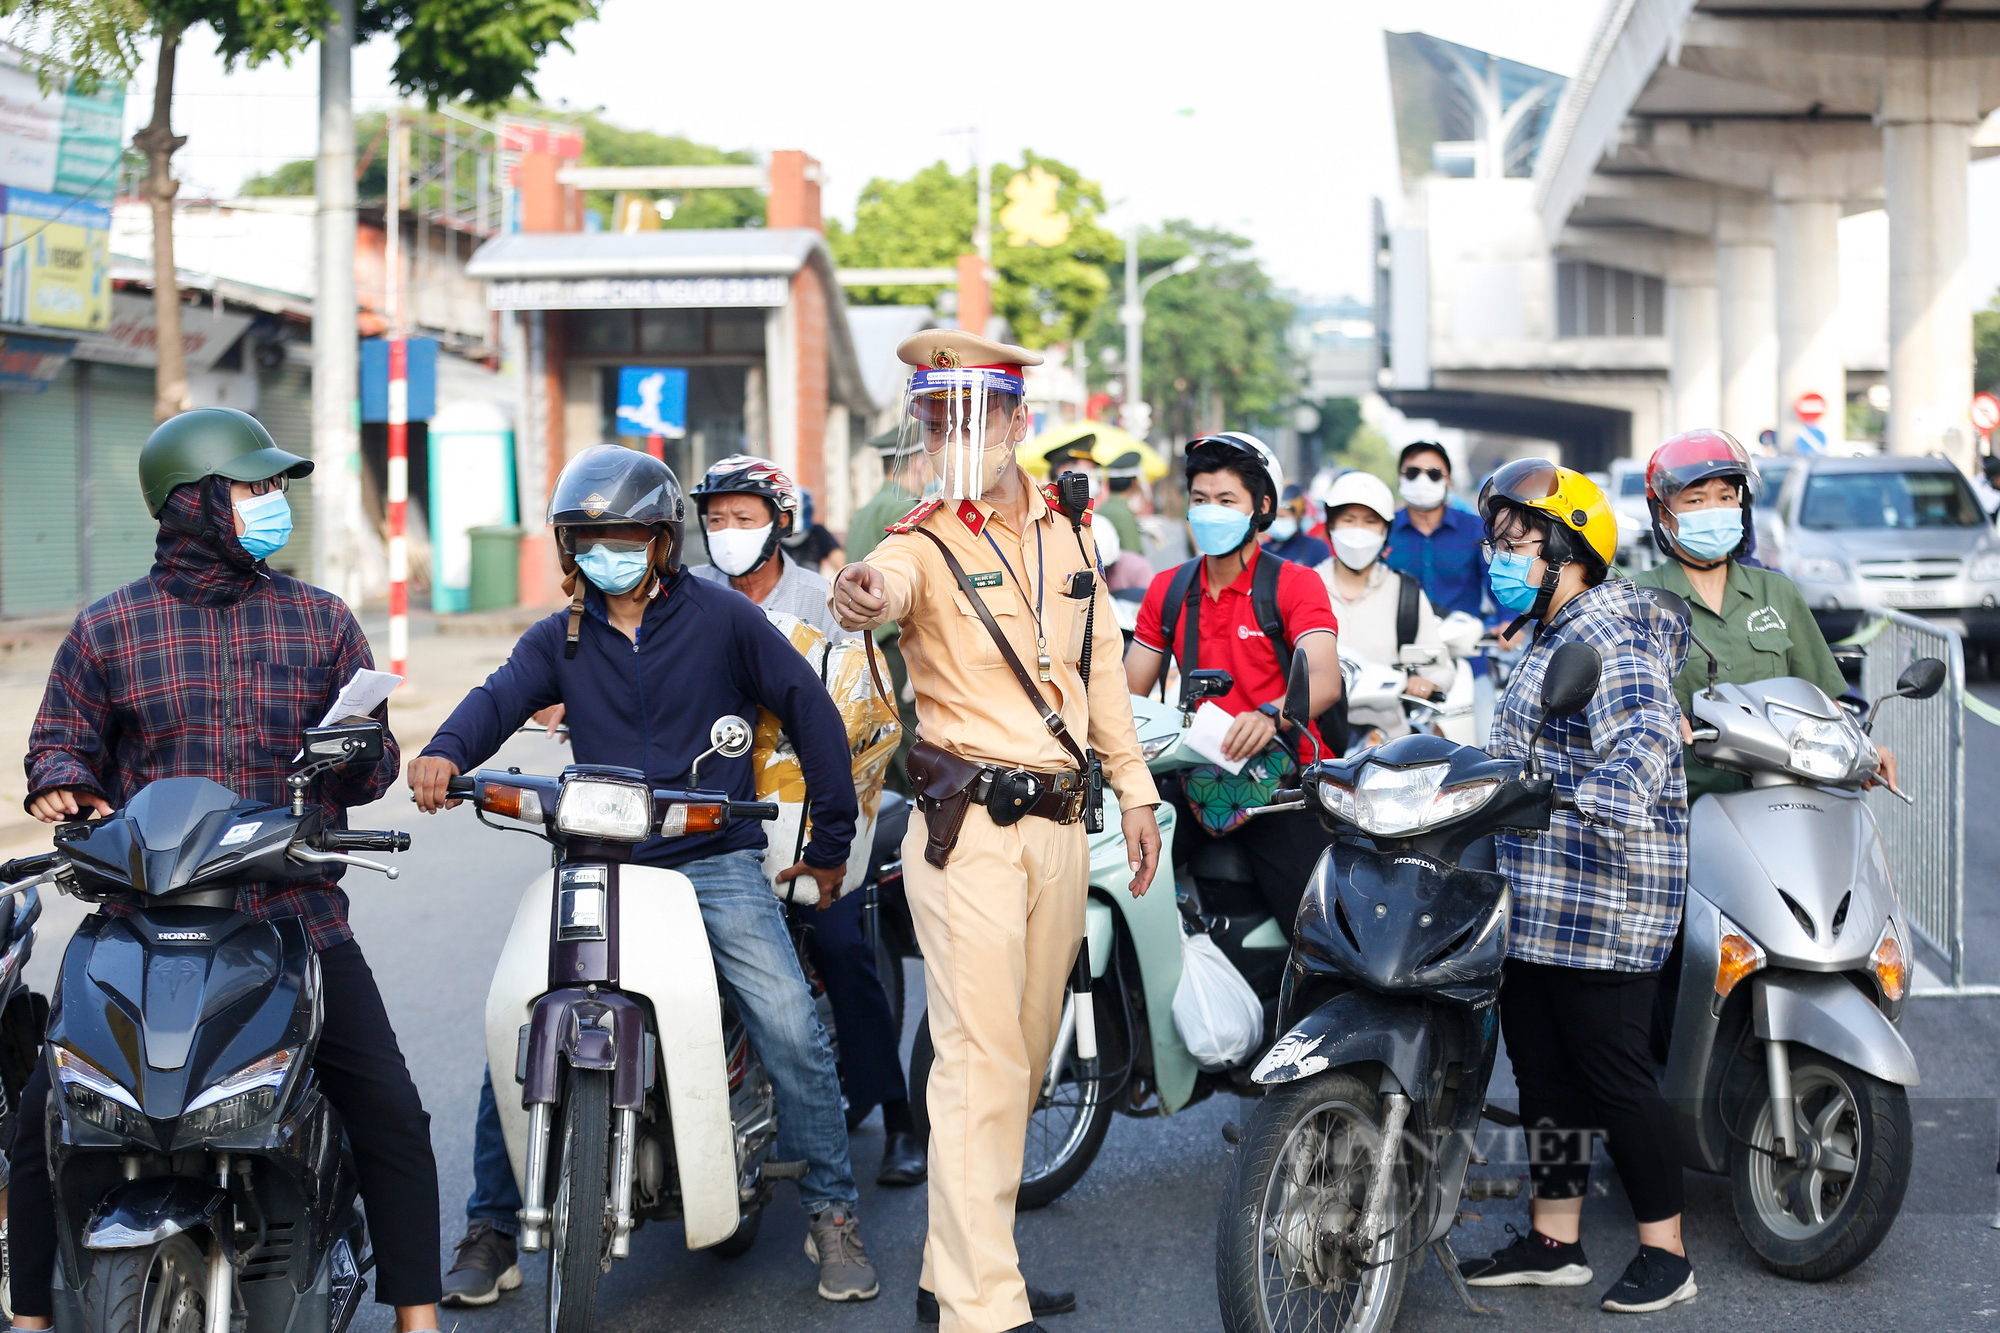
1380, 611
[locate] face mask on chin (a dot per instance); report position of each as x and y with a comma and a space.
737, 551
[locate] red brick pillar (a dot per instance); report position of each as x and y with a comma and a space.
809, 314
975, 302
793, 200
543, 205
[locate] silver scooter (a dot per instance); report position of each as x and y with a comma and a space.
1785, 1067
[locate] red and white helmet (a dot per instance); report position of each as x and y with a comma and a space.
743, 474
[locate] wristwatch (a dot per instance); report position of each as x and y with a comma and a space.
1269, 710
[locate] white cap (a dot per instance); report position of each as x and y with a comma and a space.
1361, 488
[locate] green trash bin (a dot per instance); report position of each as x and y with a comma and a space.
496, 567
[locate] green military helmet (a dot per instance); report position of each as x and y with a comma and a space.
211, 442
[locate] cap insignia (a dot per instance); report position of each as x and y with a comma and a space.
945, 358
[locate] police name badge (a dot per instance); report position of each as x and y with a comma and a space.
986, 580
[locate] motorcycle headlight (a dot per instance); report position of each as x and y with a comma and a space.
237, 1103
1891, 969
1823, 748
594, 808
1820, 569
97, 1098
1391, 801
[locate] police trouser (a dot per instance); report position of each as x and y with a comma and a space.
1000, 927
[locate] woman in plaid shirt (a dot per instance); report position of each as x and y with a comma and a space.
1597, 898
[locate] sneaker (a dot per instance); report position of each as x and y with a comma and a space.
484, 1266
1654, 1280
833, 1241
1533, 1260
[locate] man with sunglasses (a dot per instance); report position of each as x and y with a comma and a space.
1441, 544
212, 666
646, 658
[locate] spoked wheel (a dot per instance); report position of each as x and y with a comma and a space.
580, 1220
1069, 1122
1294, 1251
1820, 1213
162, 1289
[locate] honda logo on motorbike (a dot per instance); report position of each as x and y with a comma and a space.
183, 936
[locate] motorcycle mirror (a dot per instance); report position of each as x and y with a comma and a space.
1207, 683
347, 743
1673, 602
1298, 696
1921, 678
729, 737
1570, 680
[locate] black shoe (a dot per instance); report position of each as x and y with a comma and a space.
902, 1160
1533, 1260
1039, 1303
485, 1266
1654, 1280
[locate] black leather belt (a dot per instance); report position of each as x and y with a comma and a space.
1012, 794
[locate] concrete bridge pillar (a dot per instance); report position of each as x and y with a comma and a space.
1746, 276
1694, 365
1807, 232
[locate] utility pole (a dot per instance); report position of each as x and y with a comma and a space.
336, 437
1137, 416
982, 226
399, 405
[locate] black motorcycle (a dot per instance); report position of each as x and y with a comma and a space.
200, 1175
1355, 1160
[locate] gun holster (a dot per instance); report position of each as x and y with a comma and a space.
943, 785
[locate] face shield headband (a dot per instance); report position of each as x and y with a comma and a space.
950, 411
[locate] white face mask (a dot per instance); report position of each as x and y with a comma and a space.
1422, 493
735, 551
1357, 547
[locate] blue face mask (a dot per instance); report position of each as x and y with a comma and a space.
1507, 576
1709, 534
1218, 529
267, 523
613, 571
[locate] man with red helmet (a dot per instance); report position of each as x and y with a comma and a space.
1700, 487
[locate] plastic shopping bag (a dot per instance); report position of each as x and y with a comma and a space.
1217, 1014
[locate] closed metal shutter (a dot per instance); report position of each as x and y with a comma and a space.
284, 405
121, 531
38, 500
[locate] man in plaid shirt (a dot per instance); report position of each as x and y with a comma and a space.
1597, 898
212, 666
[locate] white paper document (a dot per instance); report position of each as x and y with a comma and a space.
362, 695
1204, 735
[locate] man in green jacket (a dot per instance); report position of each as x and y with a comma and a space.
1700, 487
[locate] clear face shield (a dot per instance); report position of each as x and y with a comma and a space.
958, 430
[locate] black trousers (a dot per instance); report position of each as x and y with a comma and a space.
1282, 850
361, 1070
1580, 1040
871, 1065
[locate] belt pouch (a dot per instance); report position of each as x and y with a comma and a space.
943, 785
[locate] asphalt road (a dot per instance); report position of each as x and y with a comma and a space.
1137, 1236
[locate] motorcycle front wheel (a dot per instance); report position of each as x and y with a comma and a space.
579, 1220
159, 1289
1291, 1255
1825, 1210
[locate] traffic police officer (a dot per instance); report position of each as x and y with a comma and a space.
997, 895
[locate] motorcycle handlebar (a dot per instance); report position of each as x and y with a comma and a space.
459, 786
24, 866
753, 809
363, 840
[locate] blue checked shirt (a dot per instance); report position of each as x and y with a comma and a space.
1603, 888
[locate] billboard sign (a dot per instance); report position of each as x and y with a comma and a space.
63, 142
56, 269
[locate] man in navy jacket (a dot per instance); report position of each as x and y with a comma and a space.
645, 659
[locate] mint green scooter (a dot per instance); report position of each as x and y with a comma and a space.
1141, 1066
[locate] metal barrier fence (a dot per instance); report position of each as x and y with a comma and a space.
1924, 839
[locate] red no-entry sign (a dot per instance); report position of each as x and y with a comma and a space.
1985, 411
1810, 407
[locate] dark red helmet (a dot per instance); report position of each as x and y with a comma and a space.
1695, 456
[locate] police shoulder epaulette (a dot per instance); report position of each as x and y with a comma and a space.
1054, 498
910, 521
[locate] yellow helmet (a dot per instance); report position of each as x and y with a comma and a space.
1564, 494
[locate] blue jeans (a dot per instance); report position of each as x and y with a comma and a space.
753, 952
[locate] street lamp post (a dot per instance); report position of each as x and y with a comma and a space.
1133, 313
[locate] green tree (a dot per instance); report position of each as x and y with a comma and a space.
481, 50
608, 145
1215, 351
1986, 346
1046, 293
1367, 450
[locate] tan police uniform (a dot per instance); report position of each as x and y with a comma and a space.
1001, 923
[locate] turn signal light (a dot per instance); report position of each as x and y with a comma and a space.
1737, 958
511, 802
1891, 971
681, 820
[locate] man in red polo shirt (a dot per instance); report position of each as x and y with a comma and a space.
1234, 483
